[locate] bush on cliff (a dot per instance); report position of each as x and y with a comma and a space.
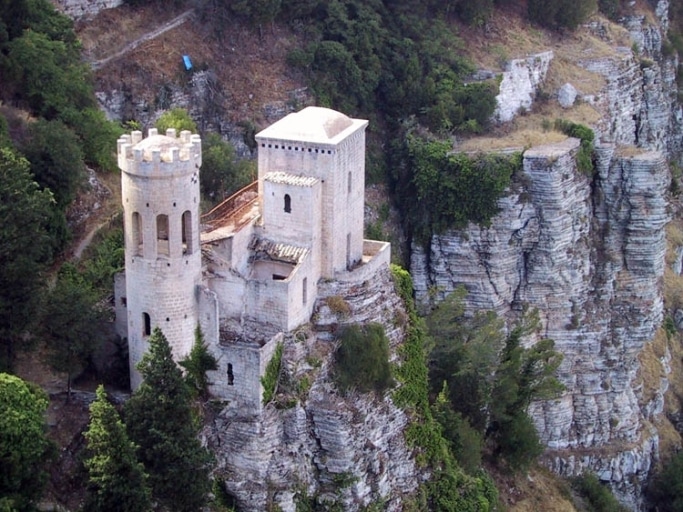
439, 190
362, 359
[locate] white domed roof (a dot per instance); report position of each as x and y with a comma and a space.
312, 124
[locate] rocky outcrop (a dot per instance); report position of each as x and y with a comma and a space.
589, 254
519, 83
313, 443
85, 8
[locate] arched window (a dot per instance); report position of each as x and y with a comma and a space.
349, 183
231, 376
162, 235
146, 324
136, 231
304, 290
288, 204
187, 233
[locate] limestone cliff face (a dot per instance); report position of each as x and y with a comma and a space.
313, 442
588, 252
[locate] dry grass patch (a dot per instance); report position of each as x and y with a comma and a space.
517, 141
563, 69
651, 369
531, 129
674, 238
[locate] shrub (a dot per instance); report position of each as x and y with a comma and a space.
177, 118
362, 359
666, 489
270, 377
598, 495
439, 190
338, 305
584, 159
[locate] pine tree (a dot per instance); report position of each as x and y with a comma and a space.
117, 481
160, 420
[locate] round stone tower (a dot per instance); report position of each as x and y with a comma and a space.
160, 194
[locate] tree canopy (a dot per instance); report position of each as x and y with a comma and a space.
160, 420
24, 248
24, 447
117, 482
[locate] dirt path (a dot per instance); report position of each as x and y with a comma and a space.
175, 22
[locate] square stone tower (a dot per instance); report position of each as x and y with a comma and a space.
326, 145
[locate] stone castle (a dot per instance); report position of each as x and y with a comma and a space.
248, 271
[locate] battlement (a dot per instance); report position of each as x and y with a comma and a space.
159, 155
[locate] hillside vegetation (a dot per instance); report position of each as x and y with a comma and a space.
408, 66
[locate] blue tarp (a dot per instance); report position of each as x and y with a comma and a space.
188, 62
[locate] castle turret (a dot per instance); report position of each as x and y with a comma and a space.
160, 193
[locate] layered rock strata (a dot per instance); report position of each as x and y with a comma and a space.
313, 443
589, 254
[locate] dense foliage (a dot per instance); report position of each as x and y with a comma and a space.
362, 359
24, 243
71, 323
42, 155
597, 494
24, 447
271, 376
160, 420
489, 380
223, 173
666, 489
567, 14
450, 488
584, 159
197, 363
116, 480
439, 189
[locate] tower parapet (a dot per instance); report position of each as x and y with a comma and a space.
155, 154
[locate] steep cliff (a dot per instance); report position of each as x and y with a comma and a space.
588, 252
311, 442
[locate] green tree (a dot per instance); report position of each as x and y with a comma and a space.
159, 419
24, 447
47, 74
96, 134
561, 13
72, 322
222, 172
599, 496
466, 443
524, 375
116, 480
197, 363
56, 159
177, 118
464, 356
23, 250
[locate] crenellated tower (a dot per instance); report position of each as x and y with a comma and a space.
160, 194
